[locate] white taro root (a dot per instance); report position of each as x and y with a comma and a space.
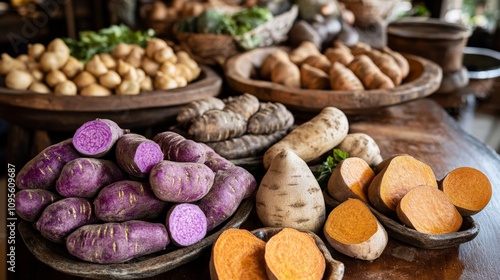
290, 196
363, 146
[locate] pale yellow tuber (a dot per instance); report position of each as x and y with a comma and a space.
95, 90
55, 77
84, 79
39, 87
128, 87
72, 67
110, 80
66, 88
18, 79
95, 66
35, 51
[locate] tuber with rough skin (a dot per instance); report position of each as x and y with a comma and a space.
30, 203
217, 125
176, 147
363, 146
271, 117
197, 108
245, 104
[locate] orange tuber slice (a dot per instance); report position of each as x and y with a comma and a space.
350, 179
429, 210
468, 188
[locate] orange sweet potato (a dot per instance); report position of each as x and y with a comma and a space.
342, 78
350, 179
370, 75
313, 78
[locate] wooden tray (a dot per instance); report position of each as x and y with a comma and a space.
424, 78
57, 257
334, 268
468, 231
65, 113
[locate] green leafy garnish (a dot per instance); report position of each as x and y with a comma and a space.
105, 40
326, 168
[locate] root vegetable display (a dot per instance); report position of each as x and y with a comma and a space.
369, 74
96, 138
342, 78
42, 171
245, 104
271, 117
197, 108
62, 217
350, 179
117, 242
18, 79
238, 254
176, 147
429, 210
353, 230
313, 138
401, 174
181, 181
303, 51
363, 146
217, 125
30, 203
128, 200
136, 154
313, 78
289, 195
186, 224
292, 254
468, 188
84, 177
215, 161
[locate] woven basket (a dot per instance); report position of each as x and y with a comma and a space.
212, 49
367, 12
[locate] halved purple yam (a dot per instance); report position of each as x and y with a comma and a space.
96, 138
136, 154
186, 224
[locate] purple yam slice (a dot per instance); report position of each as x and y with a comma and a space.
136, 154
186, 224
96, 138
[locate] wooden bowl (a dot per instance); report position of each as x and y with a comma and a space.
57, 257
468, 231
66, 113
334, 268
424, 78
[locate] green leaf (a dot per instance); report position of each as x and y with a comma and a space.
325, 170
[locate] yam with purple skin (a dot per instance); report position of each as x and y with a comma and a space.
30, 203
128, 200
176, 147
64, 216
186, 224
96, 138
84, 177
181, 181
42, 171
110, 243
230, 187
215, 161
136, 154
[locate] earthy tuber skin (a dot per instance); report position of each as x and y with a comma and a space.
198, 108
30, 203
245, 104
176, 147
215, 161
271, 117
363, 146
217, 125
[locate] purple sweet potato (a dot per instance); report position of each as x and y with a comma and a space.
96, 138
186, 224
181, 181
176, 147
64, 216
117, 242
84, 177
128, 200
42, 171
229, 189
136, 154
30, 203
215, 161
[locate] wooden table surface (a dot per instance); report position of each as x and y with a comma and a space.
420, 128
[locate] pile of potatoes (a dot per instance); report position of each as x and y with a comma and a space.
127, 70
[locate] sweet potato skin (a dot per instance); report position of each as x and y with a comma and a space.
117, 242
84, 177
215, 161
136, 154
128, 200
30, 203
176, 147
64, 216
42, 171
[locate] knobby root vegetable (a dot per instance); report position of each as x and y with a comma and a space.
429, 210
128, 200
238, 254
42, 171
363, 146
181, 181
342, 78
217, 125
245, 104
318, 61
468, 188
369, 74
136, 154
177, 148
339, 54
84, 177
292, 254
289, 195
215, 161
271, 117
353, 230
401, 174
198, 108
270, 63
387, 64
30, 203
230, 187
248, 145
62, 217
117, 242
313, 78
304, 50
313, 138
350, 179
97, 137
186, 224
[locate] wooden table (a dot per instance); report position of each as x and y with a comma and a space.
420, 128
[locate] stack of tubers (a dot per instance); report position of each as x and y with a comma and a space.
127, 70
110, 195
